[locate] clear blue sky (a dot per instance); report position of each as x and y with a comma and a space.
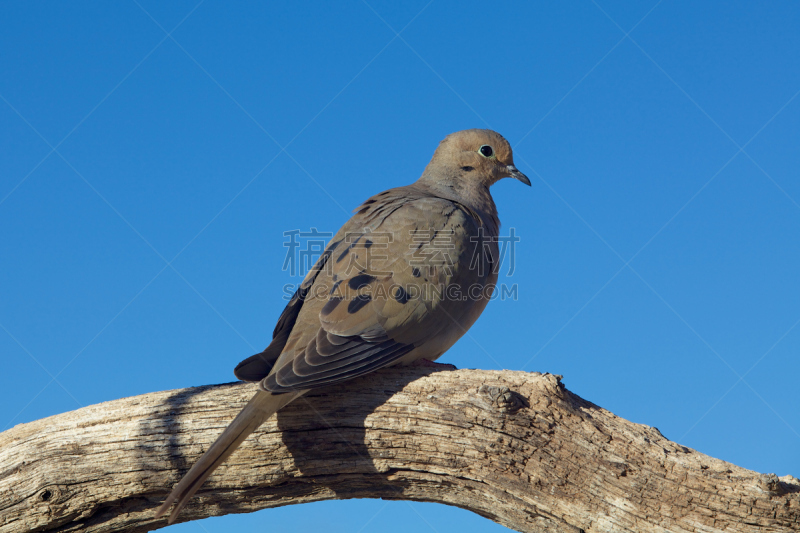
658, 261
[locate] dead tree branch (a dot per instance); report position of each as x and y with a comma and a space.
514, 447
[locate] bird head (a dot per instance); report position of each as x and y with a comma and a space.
474, 157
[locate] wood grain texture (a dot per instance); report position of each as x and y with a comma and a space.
515, 447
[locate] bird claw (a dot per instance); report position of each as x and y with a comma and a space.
426, 363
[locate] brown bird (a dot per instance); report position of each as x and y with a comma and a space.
399, 283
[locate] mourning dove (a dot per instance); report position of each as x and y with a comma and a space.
400, 283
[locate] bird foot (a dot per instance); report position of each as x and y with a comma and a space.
431, 364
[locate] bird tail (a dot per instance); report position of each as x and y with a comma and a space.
256, 412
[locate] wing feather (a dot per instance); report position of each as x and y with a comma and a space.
380, 294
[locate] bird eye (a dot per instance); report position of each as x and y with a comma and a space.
486, 150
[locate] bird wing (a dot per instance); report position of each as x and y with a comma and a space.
385, 285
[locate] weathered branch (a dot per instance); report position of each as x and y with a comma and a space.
514, 447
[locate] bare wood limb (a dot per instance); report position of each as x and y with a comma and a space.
517, 448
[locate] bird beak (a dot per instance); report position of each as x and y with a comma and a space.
517, 175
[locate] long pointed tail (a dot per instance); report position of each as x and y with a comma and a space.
256, 412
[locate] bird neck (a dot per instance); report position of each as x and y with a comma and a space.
471, 193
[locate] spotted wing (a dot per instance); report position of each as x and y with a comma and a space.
380, 294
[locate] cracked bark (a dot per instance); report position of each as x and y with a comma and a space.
515, 447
